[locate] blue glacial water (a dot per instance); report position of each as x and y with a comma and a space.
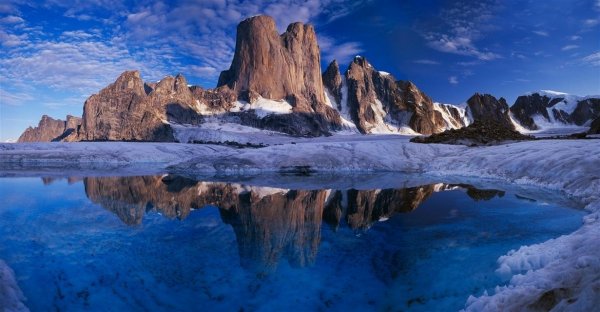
167, 243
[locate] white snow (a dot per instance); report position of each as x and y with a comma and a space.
444, 110
384, 73
566, 166
263, 107
569, 102
11, 297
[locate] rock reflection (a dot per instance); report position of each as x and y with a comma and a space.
270, 224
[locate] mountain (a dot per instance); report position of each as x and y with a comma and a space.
546, 108
52, 130
486, 108
274, 83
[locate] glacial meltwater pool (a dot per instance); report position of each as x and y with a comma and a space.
169, 243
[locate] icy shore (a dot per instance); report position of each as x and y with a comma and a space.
563, 273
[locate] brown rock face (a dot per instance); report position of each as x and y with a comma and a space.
376, 99
595, 128
332, 80
487, 109
52, 130
281, 67
276, 67
129, 110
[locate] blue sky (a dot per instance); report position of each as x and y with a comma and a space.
56, 53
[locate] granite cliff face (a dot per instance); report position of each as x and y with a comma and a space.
556, 108
284, 67
52, 130
124, 111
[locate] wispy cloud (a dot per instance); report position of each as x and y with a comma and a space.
453, 80
592, 59
11, 19
460, 27
426, 62
342, 52
569, 47
541, 33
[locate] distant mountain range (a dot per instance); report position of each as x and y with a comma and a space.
275, 83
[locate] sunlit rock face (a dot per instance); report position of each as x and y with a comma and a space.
380, 104
52, 130
270, 224
281, 67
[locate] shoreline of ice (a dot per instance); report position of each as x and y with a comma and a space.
565, 270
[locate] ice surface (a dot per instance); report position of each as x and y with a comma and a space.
11, 297
567, 166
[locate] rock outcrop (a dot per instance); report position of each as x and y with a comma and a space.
380, 104
332, 81
283, 67
52, 130
123, 111
595, 127
555, 107
485, 108
480, 132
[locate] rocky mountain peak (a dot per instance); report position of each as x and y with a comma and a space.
485, 107
332, 80
129, 80
276, 66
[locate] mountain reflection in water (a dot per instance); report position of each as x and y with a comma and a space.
269, 223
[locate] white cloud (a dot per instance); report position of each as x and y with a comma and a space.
11, 19
591, 22
459, 27
13, 98
541, 33
426, 62
575, 37
592, 59
453, 80
569, 47
342, 52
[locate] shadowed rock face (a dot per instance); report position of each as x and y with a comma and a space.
587, 110
595, 127
486, 108
528, 106
52, 130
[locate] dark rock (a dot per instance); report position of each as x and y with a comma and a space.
527, 106
587, 110
595, 127
486, 132
486, 108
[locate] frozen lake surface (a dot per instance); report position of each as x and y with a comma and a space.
171, 243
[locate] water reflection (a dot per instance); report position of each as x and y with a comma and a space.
269, 223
